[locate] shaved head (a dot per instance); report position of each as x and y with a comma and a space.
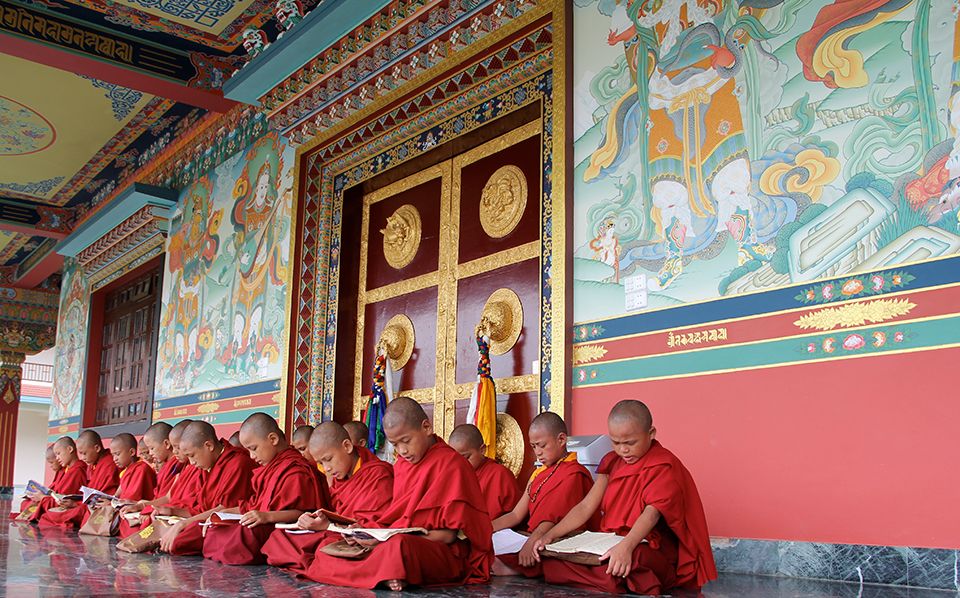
124, 440
177, 430
302, 434
328, 434
89, 438
260, 425
630, 410
358, 431
235, 439
49, 452
64, 441
549, 422
467, 436
403, 411
158, 432
196, 433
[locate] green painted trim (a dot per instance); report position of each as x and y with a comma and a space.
926, 334
321, 28
122, 207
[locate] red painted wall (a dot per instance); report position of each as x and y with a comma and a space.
861, 451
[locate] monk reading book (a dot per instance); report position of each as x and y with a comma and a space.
284, 487
434, 489
648, 497
143, 453
157, 439
32, 497
225, 482
36, 501
138, 480
498, 483
300, 441
358, 432
102, 475
362, 488
554, 488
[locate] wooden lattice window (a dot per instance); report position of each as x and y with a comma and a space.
128, 351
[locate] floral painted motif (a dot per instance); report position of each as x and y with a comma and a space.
857, 286
23, 130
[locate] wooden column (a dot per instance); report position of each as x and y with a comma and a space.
11, 372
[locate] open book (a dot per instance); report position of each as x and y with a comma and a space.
220, 518
507, 541
93, 493
378, 534
293, 528
33, 486
62, 497
595, 543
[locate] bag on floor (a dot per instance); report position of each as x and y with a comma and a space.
104, 521
146, 539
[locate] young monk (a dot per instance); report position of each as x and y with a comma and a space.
554, 488
143, 453
138, 480
102, 475
235, 440
284, 487
301, 439
498, 483
359, 432
183, 487
30, 508
433, 488
226, 482
362, 488
643, 492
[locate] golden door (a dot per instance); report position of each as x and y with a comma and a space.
435, 249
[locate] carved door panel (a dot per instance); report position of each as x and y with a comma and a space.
435, 246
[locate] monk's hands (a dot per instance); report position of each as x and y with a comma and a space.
255, 518
528, 555
68, 503
315, 522
170, 536
619, 559
134, 507
34, 496
541, 545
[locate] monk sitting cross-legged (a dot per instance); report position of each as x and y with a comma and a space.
554, 488
225, 482
138, 480
358, 432
499, 485
435, 489
102, 475
284, 487
362, 488
69, 473
643, 493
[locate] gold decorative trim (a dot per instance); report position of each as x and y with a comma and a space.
501, 320
503, 201
509, 443
507, 257
505, 386
855, 314
588, 353
410, 285
401, 236
398, 339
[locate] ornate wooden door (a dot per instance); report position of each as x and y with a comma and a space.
435, 247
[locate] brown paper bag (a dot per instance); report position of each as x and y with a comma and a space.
28, 513
104, 521
344, 550
146, 539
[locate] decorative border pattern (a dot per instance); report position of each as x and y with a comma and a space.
520, 77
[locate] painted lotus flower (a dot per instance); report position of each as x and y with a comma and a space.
898, 337
811, 347
852, 287
897, 279
853, 342
879, 339
877, 281
811, 295
827, 291
829, 344
581, 375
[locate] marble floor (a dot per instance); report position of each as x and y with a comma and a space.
35, 563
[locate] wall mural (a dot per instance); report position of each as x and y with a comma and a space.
69, 358
223, 316
723, 147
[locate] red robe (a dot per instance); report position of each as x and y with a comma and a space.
28, 505
499, 487
137, 482
227, 484
678, 551
103, 476
553, 491
166, 476
362, 496
184, 493
439, 492
286, 483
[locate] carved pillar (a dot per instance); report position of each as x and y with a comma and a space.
11, 372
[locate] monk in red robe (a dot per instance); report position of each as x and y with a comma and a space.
138, 480
102, 475
73, 475
300, 441
225, 483
284, 487
359, 432
498, 483
554, 488
434, 488
643, 492
362, 488
157, 439
28, 506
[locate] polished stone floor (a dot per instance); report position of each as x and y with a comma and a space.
35, 563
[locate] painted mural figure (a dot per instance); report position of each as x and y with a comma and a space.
696, 159
606, 247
